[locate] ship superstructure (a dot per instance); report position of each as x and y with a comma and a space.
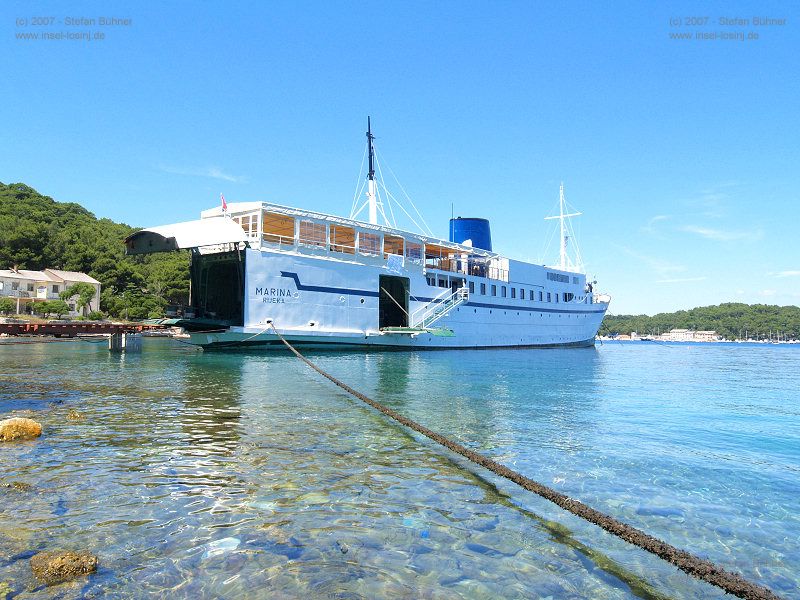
324, 280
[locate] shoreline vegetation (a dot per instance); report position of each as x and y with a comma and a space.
37, 232
731, 321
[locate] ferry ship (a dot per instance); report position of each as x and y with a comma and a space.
258, 268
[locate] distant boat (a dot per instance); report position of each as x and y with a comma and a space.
328, 281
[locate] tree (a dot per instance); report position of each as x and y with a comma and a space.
41, 308
7, 306
84, 291
58, 307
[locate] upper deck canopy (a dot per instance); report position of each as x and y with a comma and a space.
190, 234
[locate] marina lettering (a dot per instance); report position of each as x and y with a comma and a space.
273, 295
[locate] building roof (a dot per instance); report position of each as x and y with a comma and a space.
72, 276
26, 274
50, 275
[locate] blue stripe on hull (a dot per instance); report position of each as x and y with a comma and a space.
351, 292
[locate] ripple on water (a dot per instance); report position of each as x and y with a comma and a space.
243, 475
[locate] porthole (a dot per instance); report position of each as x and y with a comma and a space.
362, 301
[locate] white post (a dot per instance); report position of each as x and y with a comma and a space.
563, 237
373, 203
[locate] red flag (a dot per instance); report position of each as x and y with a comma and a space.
224, 204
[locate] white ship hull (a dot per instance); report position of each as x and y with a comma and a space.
322, 299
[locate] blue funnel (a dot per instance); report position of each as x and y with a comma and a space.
476, 230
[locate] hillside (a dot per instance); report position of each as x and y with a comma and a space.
37, 232
731, 320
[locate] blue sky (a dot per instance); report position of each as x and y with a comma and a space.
683, 155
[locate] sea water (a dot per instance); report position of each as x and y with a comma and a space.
246, 475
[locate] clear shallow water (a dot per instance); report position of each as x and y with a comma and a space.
245, 475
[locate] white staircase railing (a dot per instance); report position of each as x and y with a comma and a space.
439, 307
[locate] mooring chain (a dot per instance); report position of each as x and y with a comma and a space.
695, 566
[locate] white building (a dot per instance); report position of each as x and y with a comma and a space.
688, 335
28, 287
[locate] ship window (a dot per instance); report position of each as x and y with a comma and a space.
541, 295
369, 243
503, 291
483, 289
522, 294
312, 234
343, 239
249, 223
436, 257
556, 295
471, 287
431, 281
443, 283
277, 229
414, 251
513, 292
548, 297
392, 245
568, 297
494, 290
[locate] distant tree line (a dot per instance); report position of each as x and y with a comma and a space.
36, 232
730, 320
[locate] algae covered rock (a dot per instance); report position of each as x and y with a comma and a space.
56, 567
19, 428
74, 415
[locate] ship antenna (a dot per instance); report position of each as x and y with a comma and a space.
373, 202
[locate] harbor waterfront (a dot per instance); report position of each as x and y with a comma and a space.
245, 475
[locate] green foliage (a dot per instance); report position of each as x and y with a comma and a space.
7, 306
50, 307
84, 291
730, 320
37, 232
58, 307
96, 315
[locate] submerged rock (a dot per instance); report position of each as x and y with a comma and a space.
56, 567
74, 415
19, 428
19, 486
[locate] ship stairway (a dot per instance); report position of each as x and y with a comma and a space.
439, 307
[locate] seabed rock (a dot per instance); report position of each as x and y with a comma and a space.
19, 428
56, 567
19, 486
74, 415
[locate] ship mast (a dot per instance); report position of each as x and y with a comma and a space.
371, 196
562, 205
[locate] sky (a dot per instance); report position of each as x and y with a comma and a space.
683, 155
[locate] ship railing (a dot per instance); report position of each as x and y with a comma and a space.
439, 307
277, 240
466, 267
